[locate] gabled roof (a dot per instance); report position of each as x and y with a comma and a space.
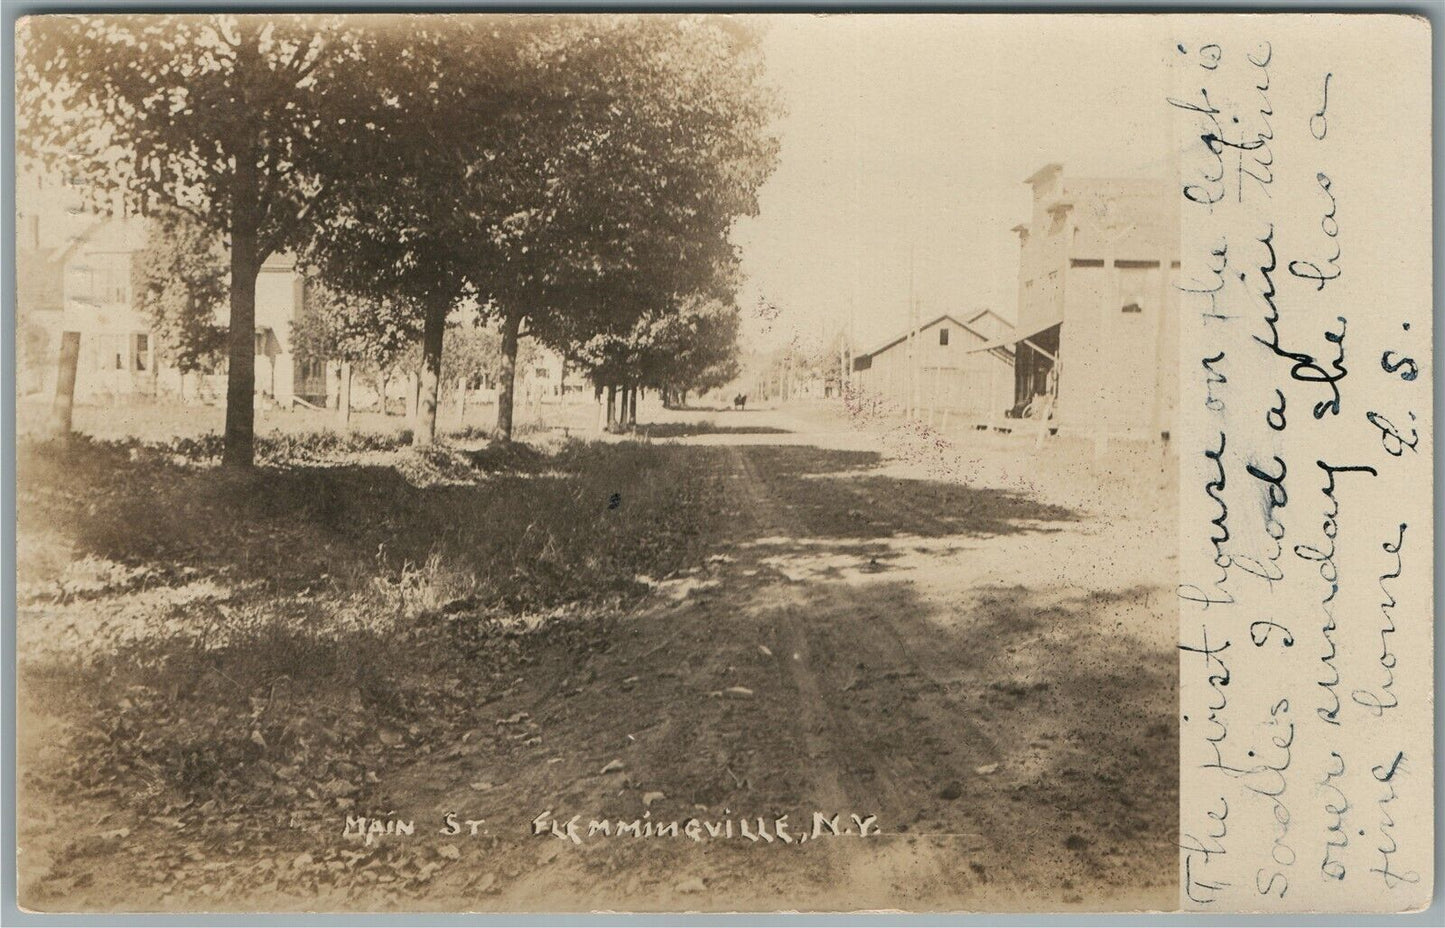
987, 312
106, 235
83, 237
927, 325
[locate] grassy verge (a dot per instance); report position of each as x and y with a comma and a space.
270, 640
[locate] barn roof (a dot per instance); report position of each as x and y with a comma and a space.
987, 312
928, 325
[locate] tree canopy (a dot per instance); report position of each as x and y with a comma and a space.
573, 177
225, 117
584, 176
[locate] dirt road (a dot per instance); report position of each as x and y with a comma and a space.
962, 653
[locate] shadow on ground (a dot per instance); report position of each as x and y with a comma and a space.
689, 429
531, 529
859, 503
1024, 735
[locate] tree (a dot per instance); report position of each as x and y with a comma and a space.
180, 284
473, 353
694, 347
221, 116
697, 350
355, 331
633, 212
409, 229
566, 174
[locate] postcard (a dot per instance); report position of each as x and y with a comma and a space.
615, 462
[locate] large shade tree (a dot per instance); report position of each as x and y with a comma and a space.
409, 230
695, 349
565, 174
220, 116
631, 216
569, 173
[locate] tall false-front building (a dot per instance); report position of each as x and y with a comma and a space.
1098, 306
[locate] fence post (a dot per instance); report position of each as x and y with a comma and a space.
62, 411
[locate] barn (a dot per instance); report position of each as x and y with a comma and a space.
953, 380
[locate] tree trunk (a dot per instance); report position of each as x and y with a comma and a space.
240, 438
240, 441
601, 409
61, 412
343, 396
461, 402
632, 408
431, 375
506, 390
384, 382
611, 405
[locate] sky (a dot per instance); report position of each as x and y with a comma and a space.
906, 143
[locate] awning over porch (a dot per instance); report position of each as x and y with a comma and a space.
1029, 338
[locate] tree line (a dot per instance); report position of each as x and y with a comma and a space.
569, 179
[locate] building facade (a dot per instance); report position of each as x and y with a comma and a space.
83, 283
75, 272
117, 350
1096, 348
943, 371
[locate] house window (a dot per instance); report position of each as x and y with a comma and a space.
943, 337
140, 348
542, 373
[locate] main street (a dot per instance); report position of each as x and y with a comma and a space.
941, 635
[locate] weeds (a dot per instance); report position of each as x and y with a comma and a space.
350, 607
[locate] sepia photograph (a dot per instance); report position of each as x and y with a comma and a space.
609, 462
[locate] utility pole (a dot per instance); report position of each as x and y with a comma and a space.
910, 356
917, 398
852, 342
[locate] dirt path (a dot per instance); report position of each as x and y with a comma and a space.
987, 675
998, 731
